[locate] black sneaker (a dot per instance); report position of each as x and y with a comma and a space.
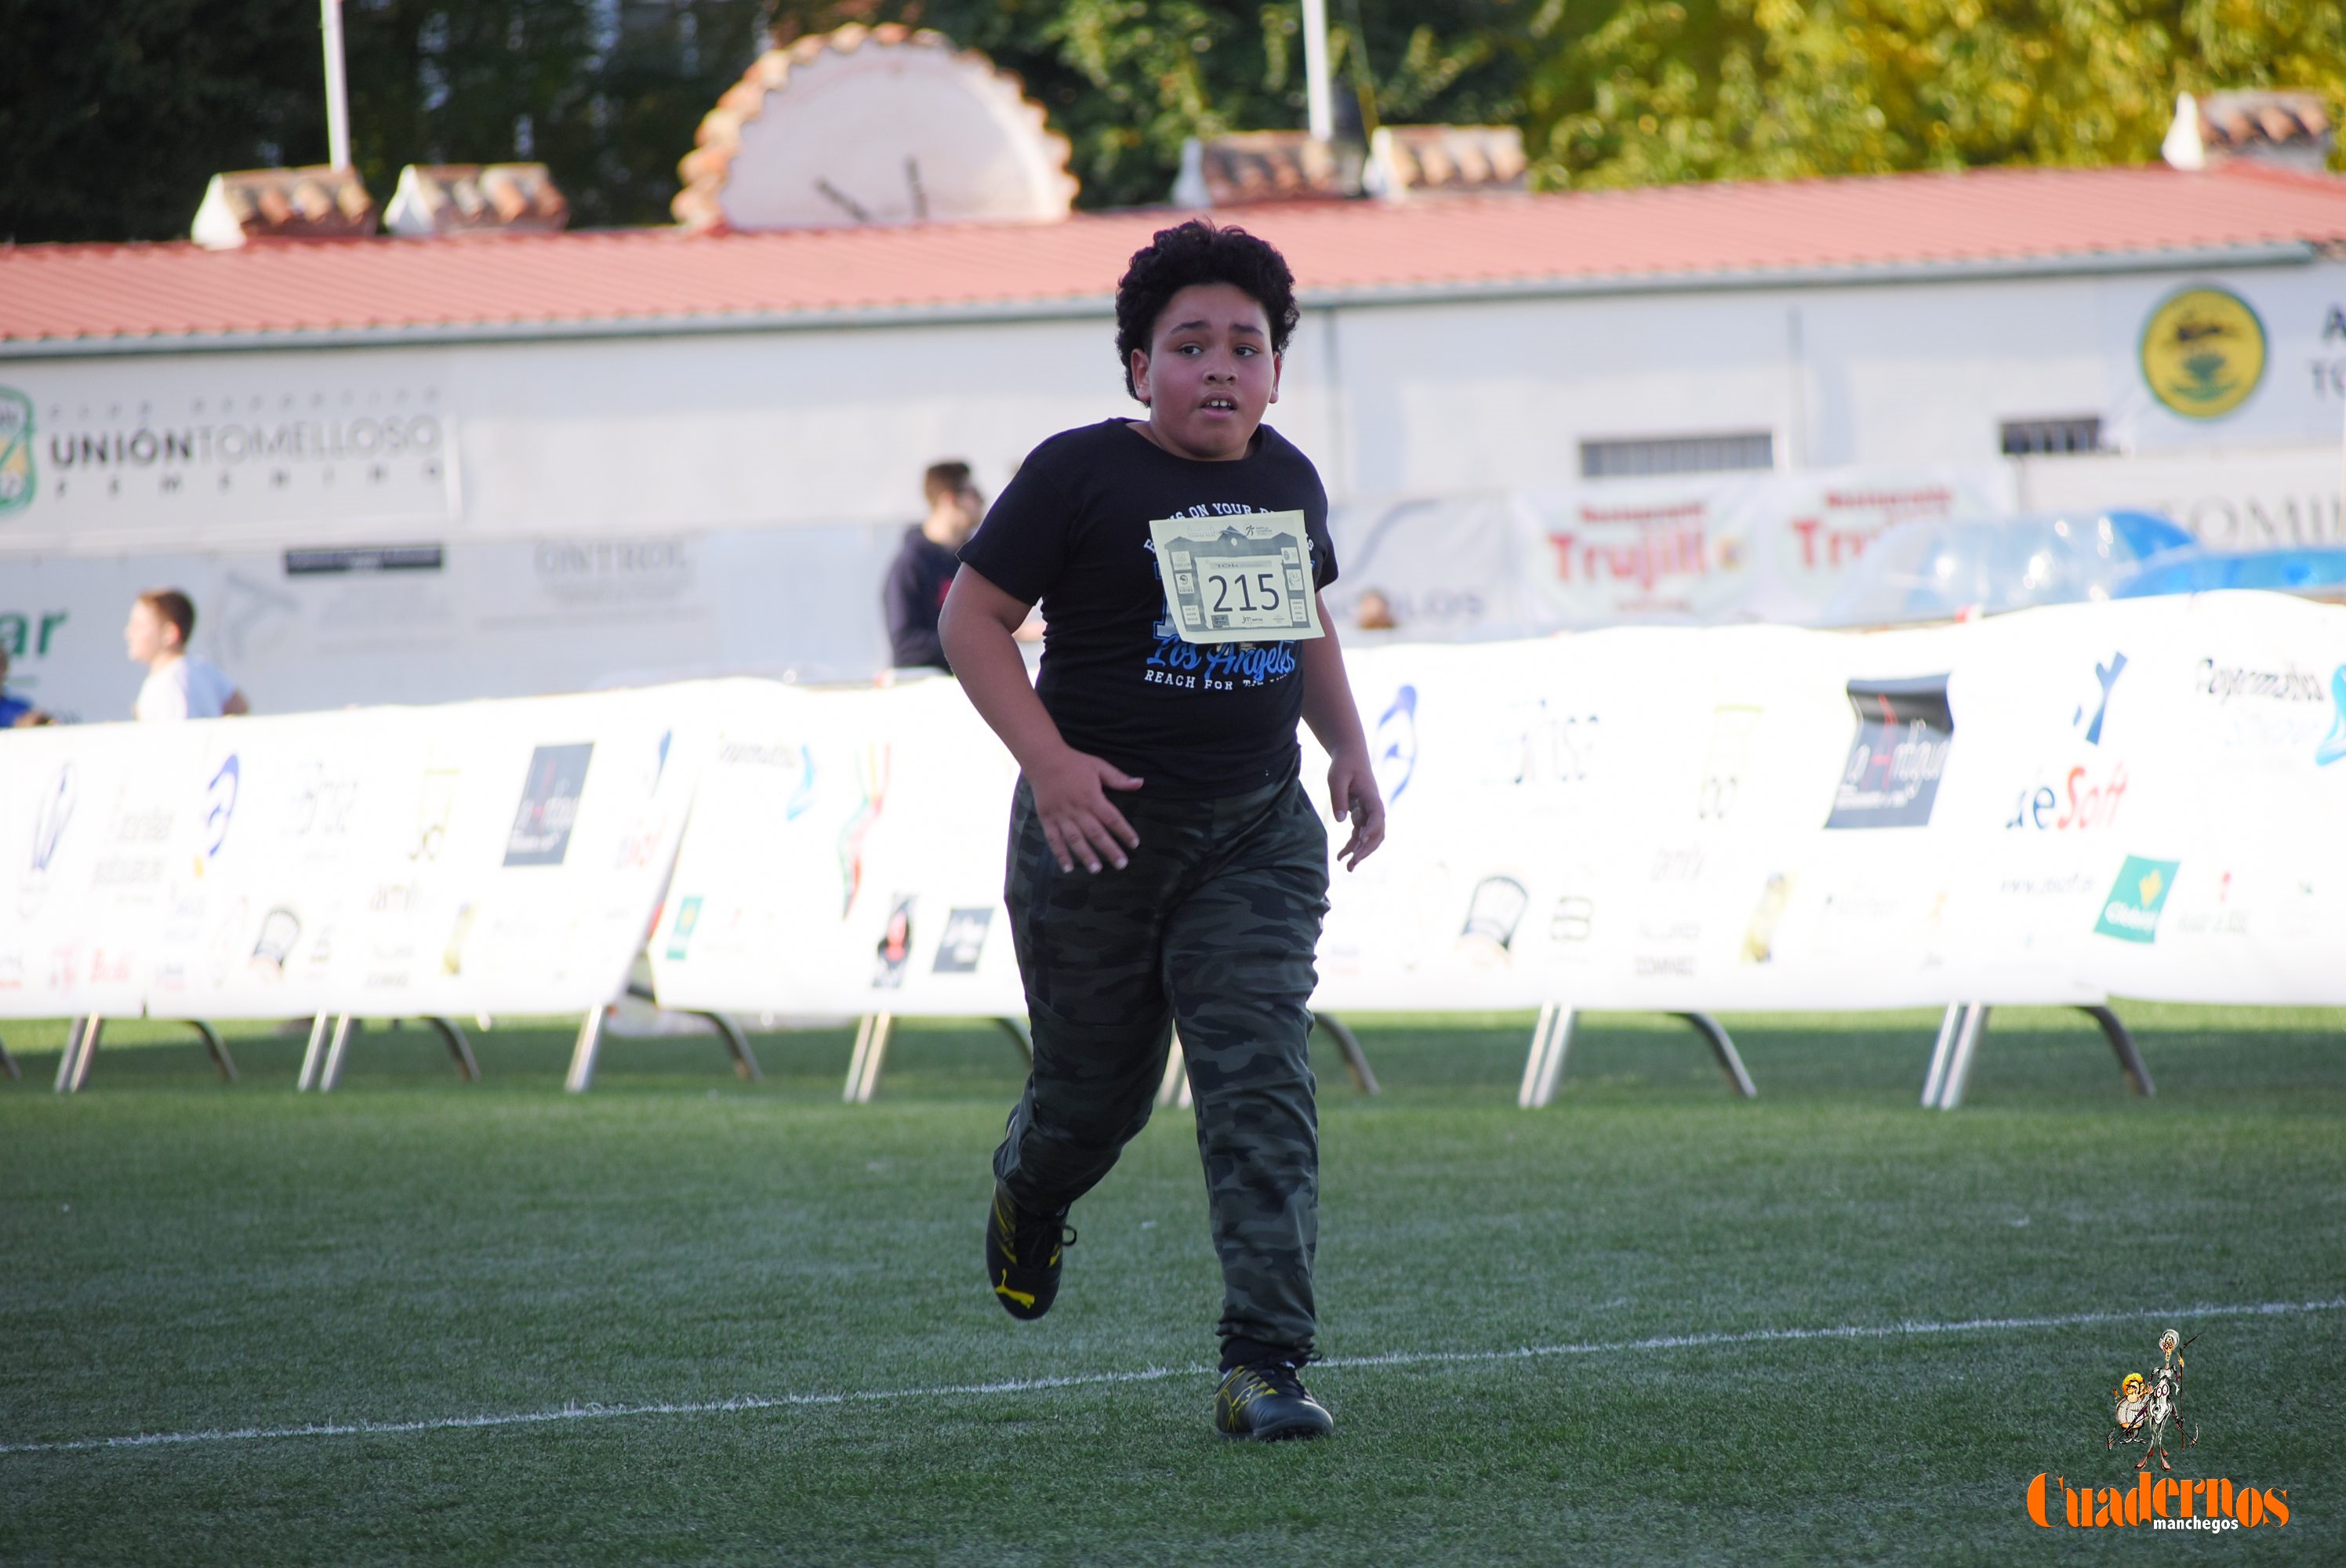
1022, 1255
1266, 1400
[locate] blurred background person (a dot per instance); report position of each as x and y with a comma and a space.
15, 711
925, 563
179, 684
1373, 612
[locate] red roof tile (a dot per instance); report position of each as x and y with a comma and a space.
169, 293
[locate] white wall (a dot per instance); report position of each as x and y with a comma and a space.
776, 466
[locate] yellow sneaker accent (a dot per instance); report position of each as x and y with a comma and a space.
1024, 1299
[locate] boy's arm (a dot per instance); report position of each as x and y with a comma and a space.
977, 627
1335, 723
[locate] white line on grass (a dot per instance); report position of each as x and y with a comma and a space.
586, 1412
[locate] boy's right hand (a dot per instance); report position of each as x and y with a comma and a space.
1071, 800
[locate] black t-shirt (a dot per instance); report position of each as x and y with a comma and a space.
914, 594
1072, 530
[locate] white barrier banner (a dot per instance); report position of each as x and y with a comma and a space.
846, 856
501, 857
2135, 799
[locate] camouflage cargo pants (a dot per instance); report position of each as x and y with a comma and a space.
1212, 926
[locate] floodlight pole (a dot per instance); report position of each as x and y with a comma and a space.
338, 92
1318, 95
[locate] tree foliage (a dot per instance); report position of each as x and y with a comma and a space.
114, 116
1633, 92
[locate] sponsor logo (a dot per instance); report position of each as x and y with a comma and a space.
50, 819
1854, 519
895, 949
1731, 728
1760, 931
964, 942
1394, 746
2333, 745
2203, 353
435, 806
2087, 802
16, 478
1494, 911
872, 769
784, 755
2106, 677
2131, 912
452, 955
1573, 919
2230, 683
220, 807
1652, 547
1904, 732
1541, 747
679, 934
540, 835
281, 928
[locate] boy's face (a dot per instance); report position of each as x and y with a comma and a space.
1209, 372
147, 635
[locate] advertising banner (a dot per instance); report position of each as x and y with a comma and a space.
486, 858
1711, 548
2132, 799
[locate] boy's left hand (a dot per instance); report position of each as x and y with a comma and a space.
1353, 793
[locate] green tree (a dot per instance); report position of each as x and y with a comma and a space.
1633, 92
114, 116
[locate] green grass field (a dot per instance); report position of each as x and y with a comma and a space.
231, 1265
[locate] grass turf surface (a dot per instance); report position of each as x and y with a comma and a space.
182, 1258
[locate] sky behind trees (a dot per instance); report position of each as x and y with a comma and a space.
117, 115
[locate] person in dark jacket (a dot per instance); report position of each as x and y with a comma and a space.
926, 563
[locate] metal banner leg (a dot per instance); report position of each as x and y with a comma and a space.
1020, 1035
582, 1054
1356, 1061
69, 1069
1935, 1079
1535, 1059
315, 1056
1959, 1069
2121, 1042
1559, 1041
217, 1048
1173, 1089
459, 1048
737, 1045
87, 1058
871, 1052
337, 1050
1723, 1049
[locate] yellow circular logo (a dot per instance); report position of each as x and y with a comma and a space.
2203, 353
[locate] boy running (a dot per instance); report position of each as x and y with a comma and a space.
1170, 555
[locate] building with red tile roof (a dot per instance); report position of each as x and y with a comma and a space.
60, 300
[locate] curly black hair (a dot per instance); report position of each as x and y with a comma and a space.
1200, 251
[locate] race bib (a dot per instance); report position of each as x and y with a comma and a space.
1243, 579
